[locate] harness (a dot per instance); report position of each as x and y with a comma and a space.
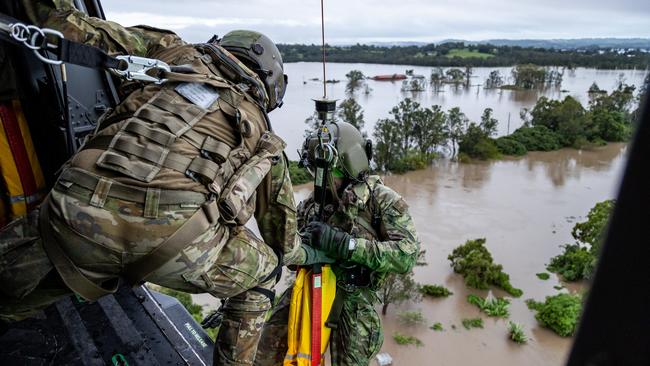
143, 146
357, 276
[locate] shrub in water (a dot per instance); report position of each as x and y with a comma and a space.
578, 260
475, 263
510, 146
472, 323
516, 332
537, 138
435, 291
559, 313
492, 307
411, 317
403, 339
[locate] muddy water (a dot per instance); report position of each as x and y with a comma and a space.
525, 208
288, 121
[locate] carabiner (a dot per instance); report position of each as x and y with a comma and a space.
137, 68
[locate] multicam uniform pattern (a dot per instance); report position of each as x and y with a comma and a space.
388, 245
226, 260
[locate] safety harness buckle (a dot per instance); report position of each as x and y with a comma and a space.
37, 39
140, 68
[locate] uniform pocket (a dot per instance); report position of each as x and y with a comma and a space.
371, 325
227, 339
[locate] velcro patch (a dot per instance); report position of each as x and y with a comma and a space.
201, 94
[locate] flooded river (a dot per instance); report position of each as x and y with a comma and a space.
288, 121
525, 208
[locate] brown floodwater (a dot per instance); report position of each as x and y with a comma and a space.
288, 121
525, 208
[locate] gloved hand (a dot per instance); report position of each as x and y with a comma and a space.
334, 242
313, 256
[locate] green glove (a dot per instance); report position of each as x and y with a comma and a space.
313, 256
333, 241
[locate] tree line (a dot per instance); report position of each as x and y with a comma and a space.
414, 135
438, 55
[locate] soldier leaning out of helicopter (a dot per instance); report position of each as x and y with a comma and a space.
367, 233
161, 191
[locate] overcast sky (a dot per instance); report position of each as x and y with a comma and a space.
363, 21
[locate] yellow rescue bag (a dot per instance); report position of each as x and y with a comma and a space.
299, 333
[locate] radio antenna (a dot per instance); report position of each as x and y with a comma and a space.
325, 108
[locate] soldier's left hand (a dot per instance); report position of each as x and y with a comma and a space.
333, 241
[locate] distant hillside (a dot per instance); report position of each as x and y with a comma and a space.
578, 43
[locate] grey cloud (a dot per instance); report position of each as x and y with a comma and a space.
296, 21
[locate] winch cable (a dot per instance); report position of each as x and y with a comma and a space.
320, 188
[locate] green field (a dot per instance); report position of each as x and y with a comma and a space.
465, 53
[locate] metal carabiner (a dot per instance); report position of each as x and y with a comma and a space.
19, 32
45, 44
34, 34
137, 68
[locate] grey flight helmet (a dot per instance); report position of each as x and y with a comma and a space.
261, 55
353, 152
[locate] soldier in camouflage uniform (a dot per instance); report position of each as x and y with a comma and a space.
368, 233
161, 191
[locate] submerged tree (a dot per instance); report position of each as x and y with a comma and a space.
529, 76
468, 75
437, 76
429, 129
355, 79
594, 89
456, 125
488, 123
494, 80
455, 76
397, 289
388, 140
407, 140
351, 112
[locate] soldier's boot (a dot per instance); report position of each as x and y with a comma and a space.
241, 327
273, 343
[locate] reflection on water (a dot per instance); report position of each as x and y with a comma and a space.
558, 165
288, 121
525, 208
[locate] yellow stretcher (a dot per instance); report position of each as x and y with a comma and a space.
299, 334
21, 179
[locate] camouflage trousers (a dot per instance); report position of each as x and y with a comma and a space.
355, 342
226, 262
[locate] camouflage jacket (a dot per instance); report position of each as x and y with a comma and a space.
275, 210
378, 218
